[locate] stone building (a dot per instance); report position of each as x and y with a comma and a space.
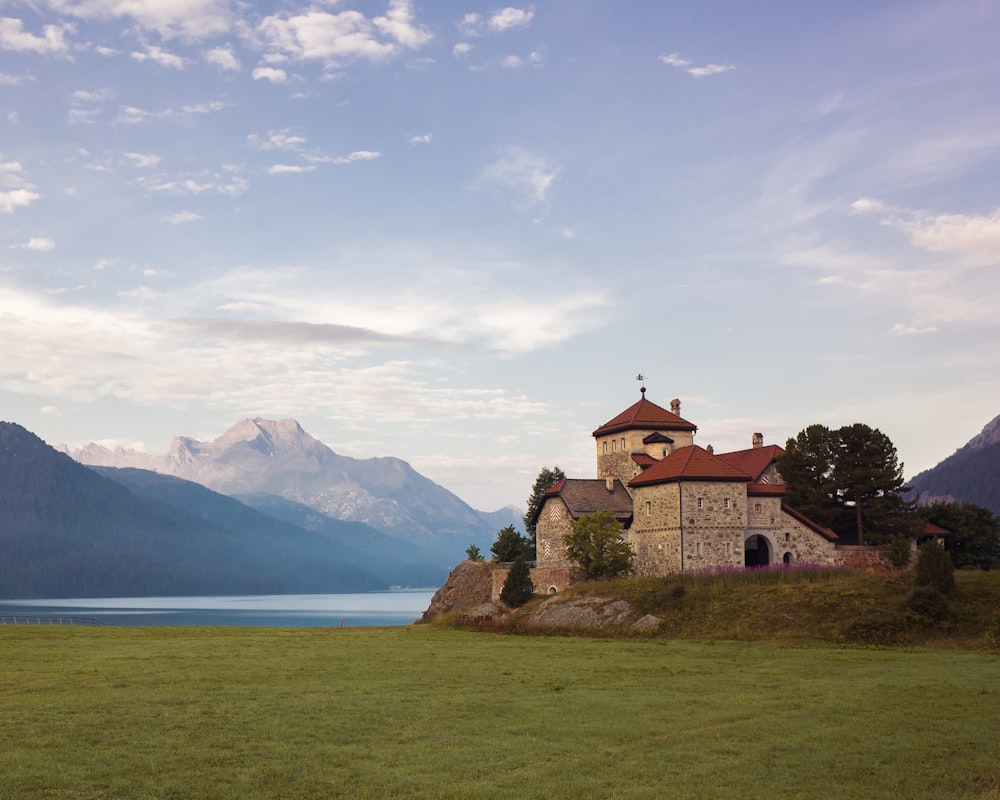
681, 507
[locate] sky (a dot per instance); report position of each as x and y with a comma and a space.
455, 232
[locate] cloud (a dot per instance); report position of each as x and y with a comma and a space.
508, 18
282, 139
203, 183
14, 80
159, 56
471, 24
968, 234
902, 329
289, 169
204, 108
342, 37
512, 62
461, 49
183, 216
223, 58
675, 60
51, 42
357, 155
142, 160
421, 139
129, 115
39, 245
528, 174
15, 190
270, 74
188, 19
866, 205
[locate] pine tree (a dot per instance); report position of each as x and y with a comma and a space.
517, 589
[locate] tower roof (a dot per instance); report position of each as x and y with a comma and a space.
645, 415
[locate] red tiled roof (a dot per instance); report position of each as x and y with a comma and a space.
645, 415
643, 460
826, 533
690, 463
930, 529
755, 460
766, 489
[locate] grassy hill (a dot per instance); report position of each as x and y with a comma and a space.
794, 606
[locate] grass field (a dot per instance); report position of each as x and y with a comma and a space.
435, 713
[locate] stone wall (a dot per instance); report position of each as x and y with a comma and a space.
553, 523
863, 558
544, 580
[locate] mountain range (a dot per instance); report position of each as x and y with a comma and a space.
969, 475
267, 457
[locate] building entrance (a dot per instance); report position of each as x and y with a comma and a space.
756, 551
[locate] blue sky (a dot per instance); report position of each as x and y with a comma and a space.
454, 232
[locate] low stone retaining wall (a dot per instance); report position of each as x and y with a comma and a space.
545, 580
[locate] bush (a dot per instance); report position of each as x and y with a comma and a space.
517, 589
595, 543
898, 550
934, 568
928, 602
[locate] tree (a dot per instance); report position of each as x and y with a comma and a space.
510, 545
595, 543
934, 568
975, 533
848, 479
473, 553
517, 589
546, 479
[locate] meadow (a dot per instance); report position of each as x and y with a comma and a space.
421, 712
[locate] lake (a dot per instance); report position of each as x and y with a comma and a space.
397, 607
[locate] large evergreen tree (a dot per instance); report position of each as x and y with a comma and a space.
510, 546
517, 589
849, 479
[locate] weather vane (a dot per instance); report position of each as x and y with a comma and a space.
642, 380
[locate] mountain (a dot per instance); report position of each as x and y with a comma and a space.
66, 530
970, 475
267, 457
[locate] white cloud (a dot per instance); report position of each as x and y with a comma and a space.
51, 42
95, 96
282, 139
13, 80
526, 173
342, 37
204, 108
159, 56
470, 24
968, 234
223, 58
866, 205
183, 216
289, 169
128, 115
39, 244
204, 183
675, 60
508, 18
902, 329
461, 49
270, 74
189, 19
357, 155
512, 62
15, 190
422, 139
143, 160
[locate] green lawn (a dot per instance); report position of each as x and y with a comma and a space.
436, 713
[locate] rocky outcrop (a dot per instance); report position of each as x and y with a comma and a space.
466, 590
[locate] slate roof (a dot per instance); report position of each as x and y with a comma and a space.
754, 461
645, 415
690, 463
587, 495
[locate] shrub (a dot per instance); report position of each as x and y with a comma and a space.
898, 550
928, 602
934, 568
473, 553
517, 589
880, 628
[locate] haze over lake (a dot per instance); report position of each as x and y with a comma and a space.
397, 607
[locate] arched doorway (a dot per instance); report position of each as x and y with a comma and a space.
756, 551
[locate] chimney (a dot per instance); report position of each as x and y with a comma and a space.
610, 483
675, 407
710, 450
758, 440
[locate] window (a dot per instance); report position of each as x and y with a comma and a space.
623, 444
729, 548
756, 508
697, 548
725, 503
649, 508
701, 503
788, 536
664, 452
614, 445
605, 447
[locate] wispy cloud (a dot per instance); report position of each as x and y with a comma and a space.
51, 42
183, 216
474, 24
190, 19
143, 160
529, 175
675, 60
423, 138
39, 245
15, 189
159, 56
290, 169
272, 74
223, 58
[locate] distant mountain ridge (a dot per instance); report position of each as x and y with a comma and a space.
970, 475
269, 457
66, 531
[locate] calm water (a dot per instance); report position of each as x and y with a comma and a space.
292, 610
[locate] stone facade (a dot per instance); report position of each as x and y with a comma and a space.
686, 508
